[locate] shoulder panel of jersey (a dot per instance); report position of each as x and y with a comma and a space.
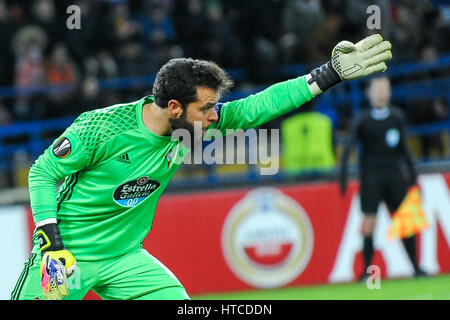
95, 127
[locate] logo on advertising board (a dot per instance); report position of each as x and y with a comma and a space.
267, 238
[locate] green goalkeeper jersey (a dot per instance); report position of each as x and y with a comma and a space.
115, 169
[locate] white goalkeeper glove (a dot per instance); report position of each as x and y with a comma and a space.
57, 262
351, 61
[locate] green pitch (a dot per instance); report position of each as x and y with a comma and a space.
430, 288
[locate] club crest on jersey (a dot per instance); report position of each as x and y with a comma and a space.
169, 158
62, 148
132, 192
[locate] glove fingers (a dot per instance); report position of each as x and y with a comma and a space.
380, 67
376, 50
382, 57
63, 290
52, 292
53, 296
53, 278
369, 42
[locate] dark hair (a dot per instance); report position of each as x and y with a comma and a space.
179, 78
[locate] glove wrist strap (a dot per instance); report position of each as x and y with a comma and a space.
49, 237
325, 76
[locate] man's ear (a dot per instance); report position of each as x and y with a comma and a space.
175, 109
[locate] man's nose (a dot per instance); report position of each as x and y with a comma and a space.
212, 115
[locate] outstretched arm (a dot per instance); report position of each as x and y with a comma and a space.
263, 106
348, 62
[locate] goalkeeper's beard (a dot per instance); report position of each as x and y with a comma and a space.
183, 123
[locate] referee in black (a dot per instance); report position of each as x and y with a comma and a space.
380, 132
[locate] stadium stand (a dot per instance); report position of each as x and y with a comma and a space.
50, 74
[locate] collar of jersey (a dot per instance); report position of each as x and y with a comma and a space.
380, 114
154, 138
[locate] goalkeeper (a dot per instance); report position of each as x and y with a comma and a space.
116, 162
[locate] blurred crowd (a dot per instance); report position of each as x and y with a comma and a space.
135, 37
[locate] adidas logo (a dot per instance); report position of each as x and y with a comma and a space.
124, 158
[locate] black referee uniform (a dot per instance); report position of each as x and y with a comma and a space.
383, 155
